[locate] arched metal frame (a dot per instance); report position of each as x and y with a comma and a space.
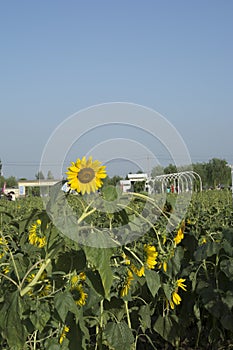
182, 181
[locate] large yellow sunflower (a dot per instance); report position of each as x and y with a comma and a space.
86, 176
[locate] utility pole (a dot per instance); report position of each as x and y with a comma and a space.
0, 167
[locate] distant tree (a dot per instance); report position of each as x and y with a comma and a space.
0, 167
213, 173
2, 180
157, 170
218, 172
39, 175
170, 169
200, 169
138, 186
112, 181
50, 175
11, 182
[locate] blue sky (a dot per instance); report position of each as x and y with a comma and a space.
58, 57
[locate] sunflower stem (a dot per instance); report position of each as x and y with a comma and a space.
86, 214
101, 325
135, 256
36, 278
127, 314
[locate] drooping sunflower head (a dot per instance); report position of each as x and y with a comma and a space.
36, 237
151, 254
85, 176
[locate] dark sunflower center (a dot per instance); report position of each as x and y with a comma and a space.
86, 175
76, 294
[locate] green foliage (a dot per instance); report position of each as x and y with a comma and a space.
62, 295
212, 173
10, 181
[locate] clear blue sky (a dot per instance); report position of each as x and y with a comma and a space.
58, 57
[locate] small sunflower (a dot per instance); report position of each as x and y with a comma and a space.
180, 233
165, 266
152, 255
125, 290
139, 272
78, 294
176, 298
65, 330
77, 279
85, 176
6, 269
35, 235
180, 283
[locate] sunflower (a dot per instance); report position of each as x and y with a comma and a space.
139, 272
3, 247
65, 330
125, 290
35, 236
86, 176
180, 233
78, 294
176, 298
6, 269
180, 284
77, 279
151, 256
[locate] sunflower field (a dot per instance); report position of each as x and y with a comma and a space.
163, 289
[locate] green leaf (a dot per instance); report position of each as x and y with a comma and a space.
226, 266
167, 290
174, 264
206, 250
214, 335
153, 281
145, 316
41, 316
71, 260
100, 259
64, 303
167, 327
52, 344
94, 281
227, 321
118, 335
21, 263
228, 235
11, 323
109, 193
227, 298
77, 335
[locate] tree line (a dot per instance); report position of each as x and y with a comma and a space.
215, 172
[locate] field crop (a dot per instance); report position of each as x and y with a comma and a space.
161, 290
